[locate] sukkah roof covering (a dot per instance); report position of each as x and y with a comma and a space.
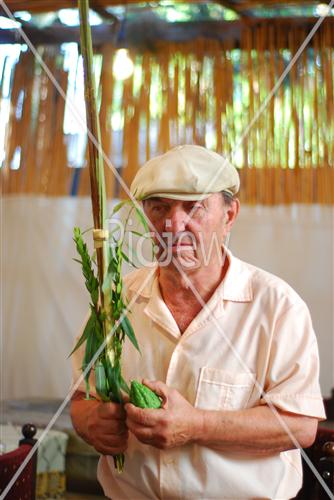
241, 7
202, 72
133, 23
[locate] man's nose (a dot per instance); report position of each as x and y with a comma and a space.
177, 221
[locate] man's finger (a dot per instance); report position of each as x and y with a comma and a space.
112, 411
110, 444
111, 450
113, 439
159, 388
114, 427
144, 434
142, 416
156, 385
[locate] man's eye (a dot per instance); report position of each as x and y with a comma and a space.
196, 206
158, 208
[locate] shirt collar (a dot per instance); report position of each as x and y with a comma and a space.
235, 287
237, 284
142, 281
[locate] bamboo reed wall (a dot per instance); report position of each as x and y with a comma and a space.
205, 92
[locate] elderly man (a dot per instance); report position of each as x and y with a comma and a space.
229, 348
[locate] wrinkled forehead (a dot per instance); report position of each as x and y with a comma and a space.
174, 201
213, 201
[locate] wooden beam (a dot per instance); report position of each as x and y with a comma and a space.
139, 35
103, 13
244, 7
229, 5
39, 6
52, 5
144, 35
236, 7
249, 4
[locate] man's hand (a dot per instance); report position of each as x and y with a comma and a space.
101, 424
171, 425
107, 429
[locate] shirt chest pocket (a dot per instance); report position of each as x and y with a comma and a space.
222, 390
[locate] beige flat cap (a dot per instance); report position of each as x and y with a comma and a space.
185, 173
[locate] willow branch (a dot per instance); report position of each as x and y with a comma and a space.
96, 167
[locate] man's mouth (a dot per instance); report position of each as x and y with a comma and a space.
182, 246
177, 246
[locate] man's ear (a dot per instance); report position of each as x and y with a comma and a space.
231, 213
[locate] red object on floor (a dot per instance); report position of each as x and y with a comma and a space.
24, 487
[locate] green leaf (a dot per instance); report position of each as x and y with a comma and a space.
86, 382
118, 207
106, 285
101, 383
98, 327
112, 268
94, 340
127, 259
76, 232
114, 379
88, 330
87, 358
128, 330
91, 281
110, 277
142, 219
124, 386
87, 230
78, 261
131, 250
111, 232
137, 233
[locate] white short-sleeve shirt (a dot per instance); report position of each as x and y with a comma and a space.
253, 344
